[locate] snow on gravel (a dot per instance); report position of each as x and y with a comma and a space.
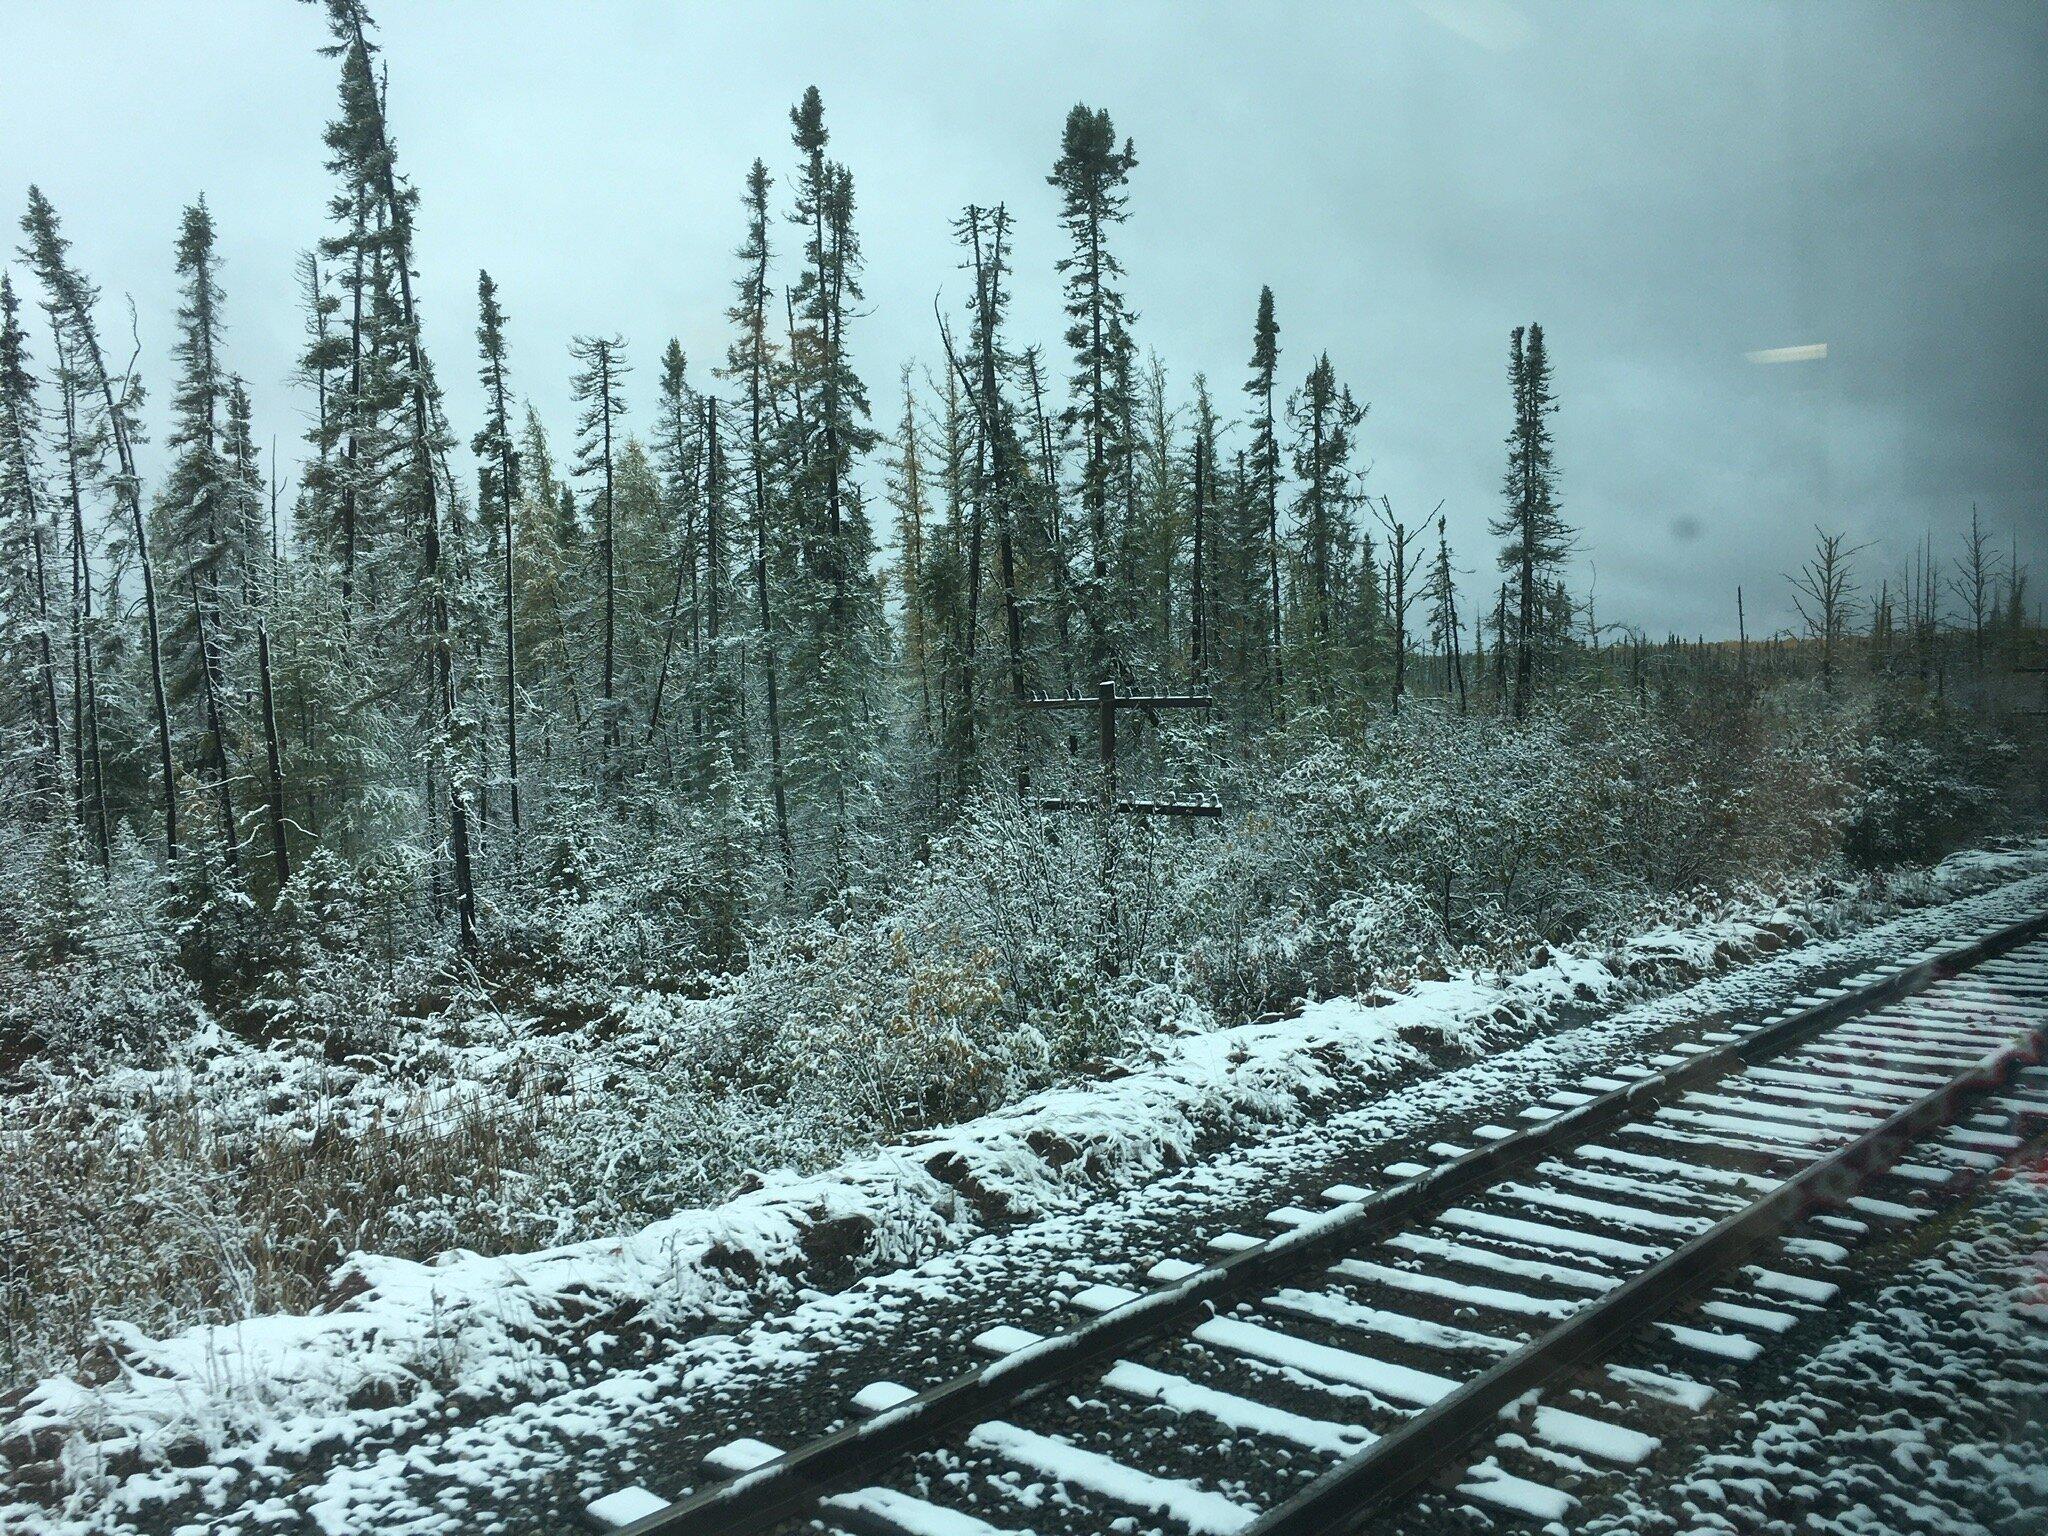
1924, 1414
367, 1416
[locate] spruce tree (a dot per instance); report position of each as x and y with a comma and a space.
1050, 542
999, 481
498, 486
679, 450
1202, 536
913, 517
320, 363
84, 453
368, 163
750, 361
1324, 418
1537, 538
1442, 593
1263, 462
200, 511
22, 511
196, 542
596, 388
1091, 174
833, 672
72, 299
1155, 525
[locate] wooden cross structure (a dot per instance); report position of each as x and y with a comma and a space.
2042, 673
1106, 701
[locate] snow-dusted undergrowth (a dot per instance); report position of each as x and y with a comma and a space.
485, 1328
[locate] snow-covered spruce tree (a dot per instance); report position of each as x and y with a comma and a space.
1537, 538
1202, 540
203, 520
81, 444
367, 162
835, 669
678, 462
321, 361
597, 388
1050, 539
910, 501
1091, 175
1262, 463
1001, 497
954, 592
26, 516
751, 362
1155, 530
1335, 605
640, 551
498, 491
694, 680
71, 299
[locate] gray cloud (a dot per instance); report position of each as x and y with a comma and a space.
1665, 188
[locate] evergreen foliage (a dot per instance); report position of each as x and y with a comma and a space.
737, 608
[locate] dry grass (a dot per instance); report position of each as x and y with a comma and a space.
156, 1217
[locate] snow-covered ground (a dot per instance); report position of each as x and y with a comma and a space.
1924, 1413
529, 1384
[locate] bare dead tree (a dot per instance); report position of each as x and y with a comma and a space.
1975, 585
1404, 558
1824, 591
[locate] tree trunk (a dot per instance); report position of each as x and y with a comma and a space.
46, 658
280, 859
611, 719
780, 796
208, 665
131, 493
355, 421
1198, 642
1524, 662
85, 702
505, 467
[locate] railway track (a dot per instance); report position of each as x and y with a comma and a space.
1502, 1329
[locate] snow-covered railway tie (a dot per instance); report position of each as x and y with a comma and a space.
1502, 1328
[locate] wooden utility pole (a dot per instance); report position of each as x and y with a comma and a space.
1105, 702
1741, 640
1106, 803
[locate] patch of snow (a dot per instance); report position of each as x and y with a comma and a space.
1489, 1484
1201, 1510
625, 1506
881, 1396
911, 1516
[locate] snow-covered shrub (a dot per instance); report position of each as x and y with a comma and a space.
344, 955
661, 893
653, 1024
94, 972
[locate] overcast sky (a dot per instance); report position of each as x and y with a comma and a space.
1666, 188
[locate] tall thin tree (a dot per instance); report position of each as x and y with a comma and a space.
1091, 174
72, 299
1537, 538
498, 482
749, 360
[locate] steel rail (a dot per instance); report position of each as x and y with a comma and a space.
1412, 1453
790, 1485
